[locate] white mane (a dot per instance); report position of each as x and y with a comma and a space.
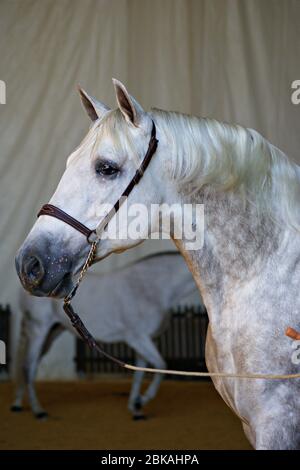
232, 158
227, 157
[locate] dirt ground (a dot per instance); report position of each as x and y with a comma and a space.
93, 415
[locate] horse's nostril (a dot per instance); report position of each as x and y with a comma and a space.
33, 270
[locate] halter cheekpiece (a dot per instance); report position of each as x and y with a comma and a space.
93, 237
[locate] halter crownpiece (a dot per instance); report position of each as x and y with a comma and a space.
93, 237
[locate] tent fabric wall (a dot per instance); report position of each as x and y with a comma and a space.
233, 60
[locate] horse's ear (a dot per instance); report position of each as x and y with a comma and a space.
94, 108
130, 108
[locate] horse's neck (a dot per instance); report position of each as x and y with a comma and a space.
237, 244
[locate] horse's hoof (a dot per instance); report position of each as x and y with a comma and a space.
137, 404
16, 409
138, 416
42, 415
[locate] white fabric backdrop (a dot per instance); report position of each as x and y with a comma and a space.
234, 60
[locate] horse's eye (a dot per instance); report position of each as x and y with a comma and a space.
106, 168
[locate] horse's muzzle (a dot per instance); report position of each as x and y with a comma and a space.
43, 273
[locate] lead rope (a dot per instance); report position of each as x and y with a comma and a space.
91, 342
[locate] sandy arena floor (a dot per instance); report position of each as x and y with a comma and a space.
93, 415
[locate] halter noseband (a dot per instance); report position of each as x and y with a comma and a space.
53, 211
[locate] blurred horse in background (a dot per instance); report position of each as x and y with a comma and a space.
135, 312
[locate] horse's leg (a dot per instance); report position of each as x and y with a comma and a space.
35, 332
19, 373
40, 335
39, 349
30, 369
145, 347
134, 402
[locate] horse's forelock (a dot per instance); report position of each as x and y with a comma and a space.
114, 126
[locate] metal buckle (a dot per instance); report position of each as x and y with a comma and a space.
92, 237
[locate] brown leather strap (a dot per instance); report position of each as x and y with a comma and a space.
53, 211
134, 181
141, 170
86, 335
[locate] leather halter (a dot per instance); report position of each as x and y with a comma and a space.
93, 234
93, 237
53, 211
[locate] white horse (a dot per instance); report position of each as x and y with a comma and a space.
136, 313
248, 270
